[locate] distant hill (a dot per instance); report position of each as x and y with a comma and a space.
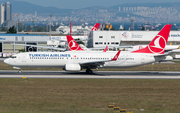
95, 13
26, 8
168, 4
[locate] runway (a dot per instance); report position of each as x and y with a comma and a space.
95, 75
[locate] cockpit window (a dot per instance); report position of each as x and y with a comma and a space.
13, 57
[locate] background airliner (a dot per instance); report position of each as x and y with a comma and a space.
74, 46
82, 38
76, 61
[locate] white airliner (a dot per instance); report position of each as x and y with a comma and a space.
76, 61
73, 46
82, 38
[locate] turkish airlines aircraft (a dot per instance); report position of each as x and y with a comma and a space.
76, 61
73, 46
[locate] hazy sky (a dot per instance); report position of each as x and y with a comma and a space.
77, 4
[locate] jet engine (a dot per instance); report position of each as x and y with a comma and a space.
30, 49
72, 67
167, 58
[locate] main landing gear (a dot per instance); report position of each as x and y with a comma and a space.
19, 69
89, 71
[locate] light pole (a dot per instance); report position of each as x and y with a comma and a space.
50, 25
17, 22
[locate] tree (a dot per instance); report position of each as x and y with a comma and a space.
143, 28
4, 29
22, 50
12, 30
79, 41
40, 29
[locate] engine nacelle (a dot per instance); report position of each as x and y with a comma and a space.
30, 49
167, 58
72, 67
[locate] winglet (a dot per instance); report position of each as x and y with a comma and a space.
116, 56
9, 41
179, 47
105, 49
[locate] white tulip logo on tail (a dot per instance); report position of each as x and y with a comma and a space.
72, 45
157, 45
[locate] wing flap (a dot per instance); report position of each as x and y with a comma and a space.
99, 63
54, 48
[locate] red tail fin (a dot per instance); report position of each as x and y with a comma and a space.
96, 27
157, 45
73, 45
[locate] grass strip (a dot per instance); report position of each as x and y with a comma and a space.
88, 95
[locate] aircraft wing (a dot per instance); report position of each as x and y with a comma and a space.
165, 54
81, 40
102, 47
54, 48
94, 64
123, 46
169, 48
169, 53
174, 51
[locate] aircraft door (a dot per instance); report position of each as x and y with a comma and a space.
1, 48
23, 58
142, 59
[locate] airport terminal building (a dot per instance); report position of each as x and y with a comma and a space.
7, 41
116, 38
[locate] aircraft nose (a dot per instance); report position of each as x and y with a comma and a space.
6, 61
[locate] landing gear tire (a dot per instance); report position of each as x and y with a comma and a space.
20, 71
89, 71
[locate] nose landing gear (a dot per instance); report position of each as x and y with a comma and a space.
19, 71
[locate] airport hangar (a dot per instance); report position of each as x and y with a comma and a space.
124, 38
7, 41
